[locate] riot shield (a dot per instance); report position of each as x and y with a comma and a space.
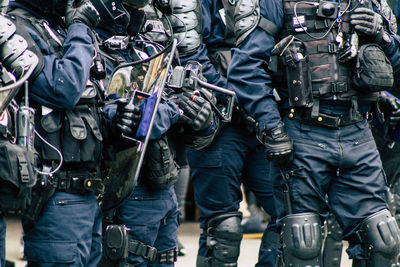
138, 81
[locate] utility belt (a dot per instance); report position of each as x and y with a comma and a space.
77, 182
326, 120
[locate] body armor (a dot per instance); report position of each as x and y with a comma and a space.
319, 48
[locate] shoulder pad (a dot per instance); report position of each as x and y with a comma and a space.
7, 29
186, 23
248, 17
389, 17
32, 51
13, 48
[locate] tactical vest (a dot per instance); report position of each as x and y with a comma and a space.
76, 133
329, 78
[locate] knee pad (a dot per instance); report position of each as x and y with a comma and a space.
380, 236
224, 234
302, 240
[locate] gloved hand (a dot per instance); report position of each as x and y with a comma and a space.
83, 12
391, 110
128, 117
368, 23
278, 145
196, 111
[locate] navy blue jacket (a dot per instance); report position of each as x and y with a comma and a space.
247, 75
63, 80
213, 30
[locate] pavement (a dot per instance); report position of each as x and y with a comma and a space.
188, 235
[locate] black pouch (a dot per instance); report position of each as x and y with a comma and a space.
298, 76
294, 57
160, 169
41, 193
81, 137
17, 177
374, 71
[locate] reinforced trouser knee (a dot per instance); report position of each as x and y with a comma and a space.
224, 235
302, 240
380, 236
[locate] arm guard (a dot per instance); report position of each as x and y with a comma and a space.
248, 18
186, 24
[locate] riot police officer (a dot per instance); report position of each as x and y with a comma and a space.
323, 145
206, 34
150, 214
67, 229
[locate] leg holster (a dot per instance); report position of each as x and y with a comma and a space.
117, 244
224, 235
333, 243
380, 236
302, 240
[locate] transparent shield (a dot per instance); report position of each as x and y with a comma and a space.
137, 81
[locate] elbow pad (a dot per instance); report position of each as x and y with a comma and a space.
248, 17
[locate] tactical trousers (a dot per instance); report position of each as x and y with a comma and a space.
2, 241
341, 163
152, 218
68, 233
234, 157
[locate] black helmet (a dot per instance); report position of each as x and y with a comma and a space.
113, 16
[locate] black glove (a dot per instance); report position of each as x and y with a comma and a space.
128, 117
196, 111
391, 110
368, 23
278, 145
83, 12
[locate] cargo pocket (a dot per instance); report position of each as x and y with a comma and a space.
38, 251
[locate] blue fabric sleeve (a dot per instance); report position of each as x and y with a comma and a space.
167, 115
63, 80
246, 74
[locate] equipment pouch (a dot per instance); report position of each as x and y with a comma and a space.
298, 76
81, 137
17, 177
374, 71
41, 193
294, 57
160, 169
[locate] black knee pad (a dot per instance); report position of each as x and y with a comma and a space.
380, 235
302, 240
224, 234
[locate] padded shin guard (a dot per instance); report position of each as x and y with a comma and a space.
302, 240
333, 243
224, 235
380, 235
